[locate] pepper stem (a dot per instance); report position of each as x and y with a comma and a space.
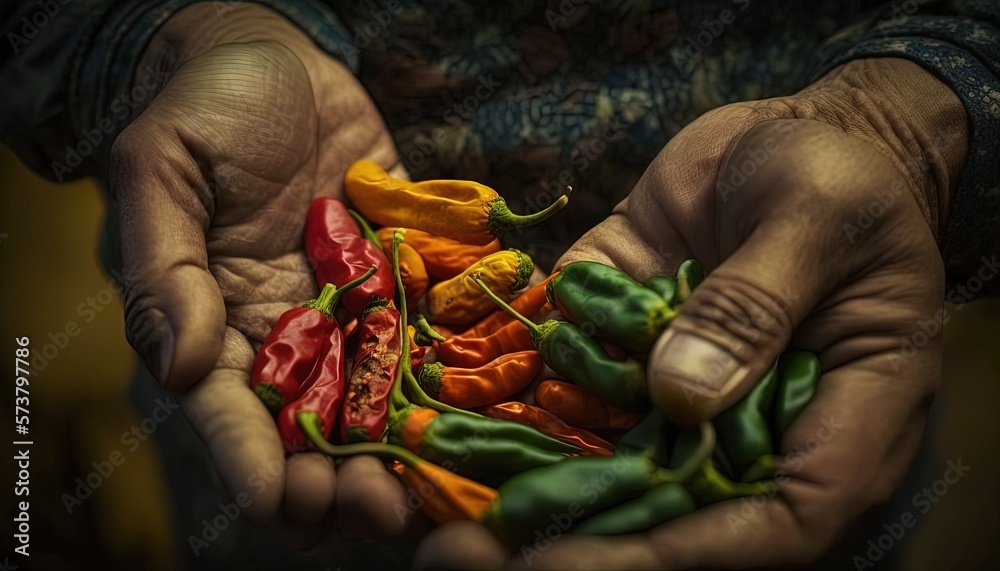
501, 219
425, 333
364, 227
421, 398
308, 422
690, 468
397, 400
331, 294
532, 327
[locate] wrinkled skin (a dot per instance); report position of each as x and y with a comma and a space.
214, 180
784, 272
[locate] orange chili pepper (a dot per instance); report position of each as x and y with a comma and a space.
528, 304
462, 210
472, 352
551, 425
443, 257
467, 388
460, 301
446, 496
579, 408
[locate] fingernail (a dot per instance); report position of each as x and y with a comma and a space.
697, 365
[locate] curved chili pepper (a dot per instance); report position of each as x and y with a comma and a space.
550, 425
578, 357
446, 496
527, 501
472, 352
582, 409
459, 301
364, 415
295, 344
529, 303
336, 250
657, 506
745, 428
443, 257
612, 305
470, 388
478, 447
413, 274
465, 211
799, 373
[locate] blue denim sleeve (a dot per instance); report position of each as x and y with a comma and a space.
959, 42
70, 64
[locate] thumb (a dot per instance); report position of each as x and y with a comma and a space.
784, 259
174, 312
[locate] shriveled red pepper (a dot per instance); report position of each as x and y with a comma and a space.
468, 388
365, 412
337, 250
581, 409
551, 425
528, 303
472, 352
295, 345
443, 257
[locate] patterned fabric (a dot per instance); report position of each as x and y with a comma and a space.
529, 97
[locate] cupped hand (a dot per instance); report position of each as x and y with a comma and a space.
213, 181
817, 216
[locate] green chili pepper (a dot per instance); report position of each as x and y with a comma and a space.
573, 354
664, 286
486, 449
744, 429
652, 437
799, 374
657, 506
618, 308
689, 276
577, 488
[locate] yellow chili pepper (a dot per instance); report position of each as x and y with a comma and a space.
462, 210
459, 301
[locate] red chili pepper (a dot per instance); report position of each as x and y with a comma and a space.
322, 393
337, 250
551, 425
295, 344
364, 415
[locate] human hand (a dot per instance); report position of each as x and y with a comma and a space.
793, 263
214, 180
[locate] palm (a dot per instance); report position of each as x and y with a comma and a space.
251, 138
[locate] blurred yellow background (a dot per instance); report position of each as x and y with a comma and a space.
80, 407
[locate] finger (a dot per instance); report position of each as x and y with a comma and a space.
370, 502
310, 487
174, 313
781, 255
460, 545
240, 434
618, 243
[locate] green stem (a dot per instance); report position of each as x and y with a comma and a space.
421, 398
425, 330
532, 327
331, 294
690, 468
502, 219
366, 229
397, 400
309, 425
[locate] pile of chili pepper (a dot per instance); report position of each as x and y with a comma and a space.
508, 398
